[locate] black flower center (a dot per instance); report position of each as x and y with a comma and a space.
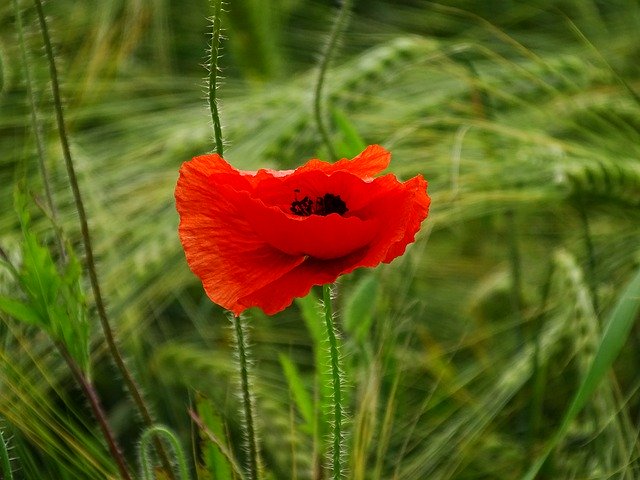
328, 203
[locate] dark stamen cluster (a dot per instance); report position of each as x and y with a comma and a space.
329, 203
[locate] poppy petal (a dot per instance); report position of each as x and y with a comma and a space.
370, 162
352, 190
209, 164
416, 210
220, 244
279, 294
403, 206
324, 237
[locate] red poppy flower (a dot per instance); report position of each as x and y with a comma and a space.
262, 238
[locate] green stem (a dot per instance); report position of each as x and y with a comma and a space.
98, 412
5, 463
213, 76
37, 132
336, 376
338, 27
86, 238
248, 424
241, 345
145, 448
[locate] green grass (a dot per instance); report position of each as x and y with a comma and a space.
500, 338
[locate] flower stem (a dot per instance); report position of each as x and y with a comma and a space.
161, 431
248, 424
86, 238
338, 27
96, 407
5, 462
241, 344
336, 376
213, 76
37, 132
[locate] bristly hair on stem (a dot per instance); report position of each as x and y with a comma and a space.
90, 264
213, 75
37, 132
248, 423
338, 27
249, 430
5, 462
336, 378
144, 453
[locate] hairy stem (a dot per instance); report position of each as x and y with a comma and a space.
98, 412
248, 424
5, 462
241, 344
86, 238
213, 76
336, 377
37, 132
338, 27
145, 448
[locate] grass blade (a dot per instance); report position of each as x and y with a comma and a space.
614, 337
301, 397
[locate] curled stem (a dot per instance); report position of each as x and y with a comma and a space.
145, 448
336, 376
213, 76
248, 424
134, 391
338, 27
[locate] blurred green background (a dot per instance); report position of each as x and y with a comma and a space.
463, 355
